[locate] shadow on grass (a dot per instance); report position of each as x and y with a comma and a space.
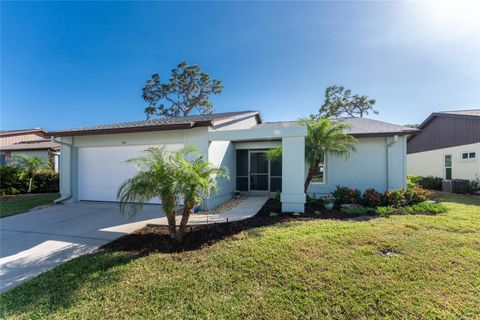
152, 239
456, 198
56, 289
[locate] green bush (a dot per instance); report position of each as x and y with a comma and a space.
372, 198
386, 210
430, 182
425, 207
358, 210
11, 181
414, 196
345, 195
394, 198
46, 181
471, 186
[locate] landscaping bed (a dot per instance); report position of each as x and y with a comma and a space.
156, 238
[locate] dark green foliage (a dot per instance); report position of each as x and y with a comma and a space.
430, 182
358, 210
340, 102
394, 198
346, 195
425, 208
46, 182
187, 89
372, 198
11, 181
414, 196
471, 186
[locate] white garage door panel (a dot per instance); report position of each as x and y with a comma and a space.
101, 170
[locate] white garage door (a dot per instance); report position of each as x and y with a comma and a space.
101, 170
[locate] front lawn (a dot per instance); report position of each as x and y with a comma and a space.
22, 203
402, 266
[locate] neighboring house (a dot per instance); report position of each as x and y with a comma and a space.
93, 167
448, 146
30, 142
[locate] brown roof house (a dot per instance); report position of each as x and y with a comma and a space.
448, 146
30, 142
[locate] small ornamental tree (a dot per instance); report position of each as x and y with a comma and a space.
187, 89
169, 176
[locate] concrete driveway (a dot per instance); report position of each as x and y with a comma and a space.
33, 242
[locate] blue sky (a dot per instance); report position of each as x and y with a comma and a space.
71, 64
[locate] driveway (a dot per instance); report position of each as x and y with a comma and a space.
33, 242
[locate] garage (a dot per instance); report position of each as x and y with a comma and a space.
102, 170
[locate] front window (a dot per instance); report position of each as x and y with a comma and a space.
319, 176
448, 167
468, 155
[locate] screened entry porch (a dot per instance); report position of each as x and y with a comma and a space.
256, 175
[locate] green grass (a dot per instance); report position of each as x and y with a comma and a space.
400, 267
23, 203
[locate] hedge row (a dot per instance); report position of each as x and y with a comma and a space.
12, 182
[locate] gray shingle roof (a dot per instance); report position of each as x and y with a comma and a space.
364, 126
358, 127
213, 119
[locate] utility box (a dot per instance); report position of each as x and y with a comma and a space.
454, 186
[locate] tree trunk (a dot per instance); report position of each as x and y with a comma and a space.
187, 210
30, 181
172, 225
311, 172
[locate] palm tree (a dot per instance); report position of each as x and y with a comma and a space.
156, 178
30, 165
169, 176
325, 136
197, 178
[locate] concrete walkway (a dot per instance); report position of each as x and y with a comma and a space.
36, 241
245, 209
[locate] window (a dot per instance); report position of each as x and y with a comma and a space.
448, 167
2, 160
468, 155
319, 176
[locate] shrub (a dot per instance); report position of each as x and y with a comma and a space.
385, 211
430, 182
358, 210
11, 181
372, 198
345, 195
425, 207
471, 186
46, 181
417, 195
394, 198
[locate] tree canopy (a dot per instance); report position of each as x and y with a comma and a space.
187, 89
340, 102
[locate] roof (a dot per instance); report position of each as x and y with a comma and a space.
453, 113
4, 133
31, 145
360, 127
363, 127
170, 123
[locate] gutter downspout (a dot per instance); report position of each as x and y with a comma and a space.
61, 199
387, 146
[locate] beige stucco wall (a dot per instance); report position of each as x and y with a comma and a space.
431, 163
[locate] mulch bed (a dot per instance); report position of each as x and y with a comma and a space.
156, 238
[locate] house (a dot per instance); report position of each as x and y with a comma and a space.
30, 142
447, 147
93, 167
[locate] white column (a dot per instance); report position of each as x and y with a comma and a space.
293, 174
